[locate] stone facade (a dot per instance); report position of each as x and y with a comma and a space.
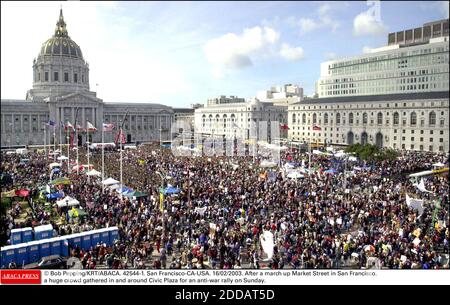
61, 93
415, 121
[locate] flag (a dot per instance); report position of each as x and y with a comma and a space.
315, 127
234, 125
90, 127
68, 125
161, 202
50, 123
108, 127
120, 137
284, 126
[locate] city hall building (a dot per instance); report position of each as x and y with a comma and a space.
396, 96
61, 93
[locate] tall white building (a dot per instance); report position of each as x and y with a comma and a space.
395, 96
414, 60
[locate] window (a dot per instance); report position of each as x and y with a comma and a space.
55, 76
294, 118
304, 118
66, 76
325, 118
314, 118
364, 118
350, 118
379, 118
338, 118
413, 119
432, 118
75, 78
46, 76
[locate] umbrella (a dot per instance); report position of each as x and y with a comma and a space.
55, 195
124, 190
22, 193
9, 194
59, 181
171, 190
54, 164
136, 194
330, 171
77, 213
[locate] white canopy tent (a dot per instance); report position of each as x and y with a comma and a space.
267, 163
438, 165
67, 201
110, 181
93, 172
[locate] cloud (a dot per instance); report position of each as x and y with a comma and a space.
233, 52
367, 49
330, 55
307, 25
368, 24
324, 20
291, 53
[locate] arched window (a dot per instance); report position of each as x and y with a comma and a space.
432, 118
325, 118
294, 120
203, 120
379, 118
224, 121
413, 119
396, 118
304, 118
350, 118
364, 118
338, 118
314, 118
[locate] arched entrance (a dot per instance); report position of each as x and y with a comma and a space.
364, 138
379, 140
350, 138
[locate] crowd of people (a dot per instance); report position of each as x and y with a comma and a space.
355, 217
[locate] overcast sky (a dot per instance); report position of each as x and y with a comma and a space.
178, 53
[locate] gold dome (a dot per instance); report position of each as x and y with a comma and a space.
61, 44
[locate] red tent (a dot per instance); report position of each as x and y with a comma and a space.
22, 193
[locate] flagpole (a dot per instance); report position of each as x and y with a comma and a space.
45, 139
76, 137
60, 136
87, 143
54, 142
68, 150
121, 177
103, 157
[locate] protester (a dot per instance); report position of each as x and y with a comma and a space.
225, 204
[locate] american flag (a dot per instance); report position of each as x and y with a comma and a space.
90, 127
108, 127
68, 125
284, 126
315, 127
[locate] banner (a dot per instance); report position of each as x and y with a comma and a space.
415, 203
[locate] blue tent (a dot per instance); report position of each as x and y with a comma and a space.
330, 171
124, 190
171, 190
55, 195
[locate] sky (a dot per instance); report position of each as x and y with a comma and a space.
180, 53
